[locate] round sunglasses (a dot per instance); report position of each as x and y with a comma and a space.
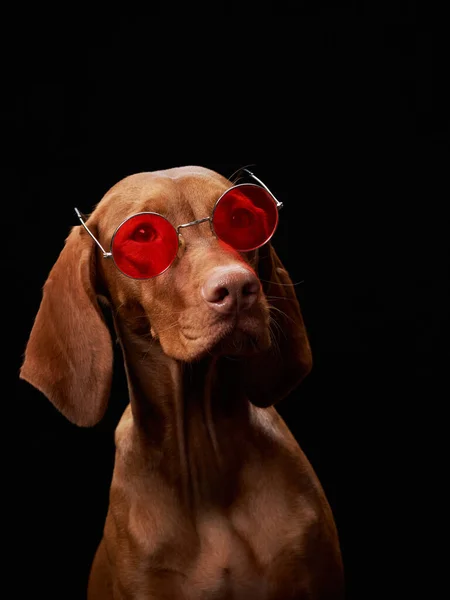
145, 245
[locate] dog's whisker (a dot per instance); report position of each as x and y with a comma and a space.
174, 324
280, 298
234, 177
283, 284
274, 340
277, 327
281, 312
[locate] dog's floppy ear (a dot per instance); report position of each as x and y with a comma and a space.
69, 353
274, 373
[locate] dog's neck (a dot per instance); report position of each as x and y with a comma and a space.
192, 417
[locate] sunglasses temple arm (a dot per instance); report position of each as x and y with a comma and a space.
279, 204
105, 254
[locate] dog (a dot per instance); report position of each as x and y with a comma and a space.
211, 496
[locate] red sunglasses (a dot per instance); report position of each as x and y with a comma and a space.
145, 245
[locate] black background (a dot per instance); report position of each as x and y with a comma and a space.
341, 110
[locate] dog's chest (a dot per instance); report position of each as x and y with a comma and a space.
224, 566
235, 561
233, 552
238, 556
223, 556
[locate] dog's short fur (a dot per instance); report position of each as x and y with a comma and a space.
211, 496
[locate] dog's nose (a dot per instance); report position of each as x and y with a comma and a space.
230, 289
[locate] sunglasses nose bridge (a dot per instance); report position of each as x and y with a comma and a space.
181, 241
197, 222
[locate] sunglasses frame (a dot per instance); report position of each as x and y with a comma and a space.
110, 254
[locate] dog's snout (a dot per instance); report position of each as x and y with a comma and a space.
231, 288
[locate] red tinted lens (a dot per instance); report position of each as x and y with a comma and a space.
144, 245
245, 217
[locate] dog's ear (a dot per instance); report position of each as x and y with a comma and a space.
274, 373
69, 353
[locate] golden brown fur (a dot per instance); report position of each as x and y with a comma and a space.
211, 496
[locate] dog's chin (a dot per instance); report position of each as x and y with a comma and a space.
239, 344
232, 341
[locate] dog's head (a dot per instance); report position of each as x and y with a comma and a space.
211, 299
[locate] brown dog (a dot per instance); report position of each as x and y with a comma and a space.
211, 496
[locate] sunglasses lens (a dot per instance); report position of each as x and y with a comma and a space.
245, 217
144, 246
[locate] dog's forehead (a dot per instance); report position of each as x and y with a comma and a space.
175, 193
